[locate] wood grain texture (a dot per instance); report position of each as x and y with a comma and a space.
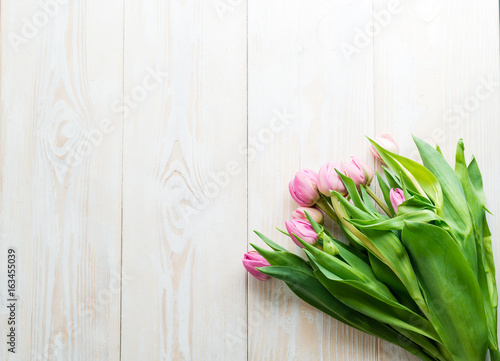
141, 143
297, 67
185, 211
437, 76
61, 177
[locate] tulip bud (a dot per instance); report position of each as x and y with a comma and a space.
303, 230
358, 171
253, 259
315, 214
397, 197
329, 180
303, 188
387, 142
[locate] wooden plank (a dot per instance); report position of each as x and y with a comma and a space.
437, 76
311, 90
297, 67
184, 220
61, 69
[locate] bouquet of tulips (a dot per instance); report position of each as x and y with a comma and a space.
418, 267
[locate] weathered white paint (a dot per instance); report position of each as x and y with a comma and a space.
60, 193
184, 232
429, 62
296, 65
212, 106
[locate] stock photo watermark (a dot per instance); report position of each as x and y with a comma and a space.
31, 26
52, 351
186, 207
256, 318
462, 111
12, 306
83, 142
364, 36
223, 7
12, 299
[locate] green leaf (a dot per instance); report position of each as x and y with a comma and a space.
415, 203
455, 208
438, 149
284, 258
389, 278
413, 174
353, 239
353, 192
335, 266
396, 223
485, 277
477, 182
472, 200
477, 179
367, 200
317, 227
489, 264
361, 298
486, 281
451, 290
495, 355
353, 210
339, 269
387, 247
282, 232
426, 344
310, 289
392, 179
329, 247
350, 254
270, 243
386, 191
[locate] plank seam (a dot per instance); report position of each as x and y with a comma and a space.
122, 118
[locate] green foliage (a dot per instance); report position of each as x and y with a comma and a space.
424, 278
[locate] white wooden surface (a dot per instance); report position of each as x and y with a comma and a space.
142, 142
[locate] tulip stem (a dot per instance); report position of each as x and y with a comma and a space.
495, 355
378, 201
325, 207
349, 226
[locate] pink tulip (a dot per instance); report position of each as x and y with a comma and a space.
358, 171
315, 214
253, 259
329, 180
303, 230
303, 188
397, 197
387, 142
